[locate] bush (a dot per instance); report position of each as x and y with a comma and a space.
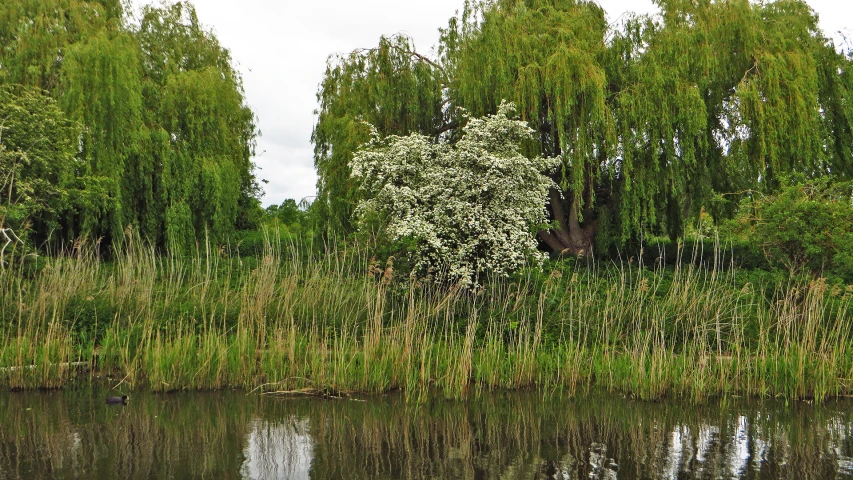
468, 209
805, 227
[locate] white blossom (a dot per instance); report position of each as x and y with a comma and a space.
471, 207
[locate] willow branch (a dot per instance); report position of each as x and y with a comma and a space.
415, 55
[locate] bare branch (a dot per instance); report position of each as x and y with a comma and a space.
412, 54
5, 232
446, 127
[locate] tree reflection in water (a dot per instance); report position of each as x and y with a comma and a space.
72, 434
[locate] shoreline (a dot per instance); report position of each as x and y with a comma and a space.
680, 377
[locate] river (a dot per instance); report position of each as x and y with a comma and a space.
496, 435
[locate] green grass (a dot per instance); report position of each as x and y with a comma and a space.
291, 320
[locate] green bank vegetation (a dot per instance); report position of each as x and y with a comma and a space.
288, 320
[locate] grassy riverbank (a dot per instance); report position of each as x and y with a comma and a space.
288, 320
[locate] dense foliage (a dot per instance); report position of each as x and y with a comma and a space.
38, 177
390, 87
655, 118
805, 227
165, 139
469, 208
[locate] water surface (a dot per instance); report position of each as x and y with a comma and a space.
74, 434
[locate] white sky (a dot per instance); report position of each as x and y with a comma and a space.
281, 47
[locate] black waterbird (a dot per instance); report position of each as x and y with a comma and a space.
117, 400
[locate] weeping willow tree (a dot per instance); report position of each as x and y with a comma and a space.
548, 57
199, 135
167, 139
726, 97
101, 88
391, 87
654, 118
35, 34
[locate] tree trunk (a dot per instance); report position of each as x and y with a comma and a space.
570, 237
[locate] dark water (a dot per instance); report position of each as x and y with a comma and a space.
73, 434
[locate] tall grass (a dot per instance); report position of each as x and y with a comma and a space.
289, 319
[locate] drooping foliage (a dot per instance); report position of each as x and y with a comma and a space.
548, 58
35, 35
165, 127
469, 208
726, 97
390, 87
655, 118
101, 89
199, 126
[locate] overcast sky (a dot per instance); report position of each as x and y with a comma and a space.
281, 47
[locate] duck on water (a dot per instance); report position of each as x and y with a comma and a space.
122, 400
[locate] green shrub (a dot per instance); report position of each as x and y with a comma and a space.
806, 227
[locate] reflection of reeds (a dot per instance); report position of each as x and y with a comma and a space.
53, 435
525, 436
493, 435
288, 319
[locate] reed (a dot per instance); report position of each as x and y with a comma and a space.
289, 319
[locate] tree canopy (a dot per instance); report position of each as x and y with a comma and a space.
164, 125
38, 181
390, 87
654, 118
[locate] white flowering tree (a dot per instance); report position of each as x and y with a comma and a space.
470, 208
